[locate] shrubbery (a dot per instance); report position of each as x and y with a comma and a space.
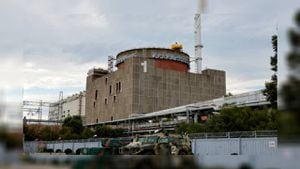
71, 129
235, 119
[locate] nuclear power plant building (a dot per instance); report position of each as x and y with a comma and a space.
148, 80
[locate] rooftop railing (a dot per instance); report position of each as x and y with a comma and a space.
235, 134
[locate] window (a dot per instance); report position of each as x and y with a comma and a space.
115, 98
96, 120
110, 90
105, 101
96, 94
94, 104
106, 80
111, 118
118, 87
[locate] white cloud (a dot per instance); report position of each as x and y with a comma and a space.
57, 42
65, 74
236, 86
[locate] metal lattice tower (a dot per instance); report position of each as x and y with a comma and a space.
110, 67
34, 107
60, 105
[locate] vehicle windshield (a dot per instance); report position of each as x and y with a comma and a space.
168, 140
163, 140
152, 139
141, 139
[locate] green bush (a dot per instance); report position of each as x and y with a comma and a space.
235, 119
106, 131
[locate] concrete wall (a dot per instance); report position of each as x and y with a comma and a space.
286, 157
96, 109
31, 146
62, 146
237, 146
159, 89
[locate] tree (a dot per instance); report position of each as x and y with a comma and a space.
235, 119
290, 91
29, 133
45, 133
106, 131
41, 132
72, 128
87, 133
75, 123
118, 132
103, 131
67, 133
228, 94
270, 90
190, 128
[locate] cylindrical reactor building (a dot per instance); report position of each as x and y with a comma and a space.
163, 58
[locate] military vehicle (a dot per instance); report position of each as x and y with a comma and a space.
174, 145
158, 144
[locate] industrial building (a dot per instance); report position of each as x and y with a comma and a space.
71, 106
148, 80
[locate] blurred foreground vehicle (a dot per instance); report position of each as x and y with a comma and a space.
138, 162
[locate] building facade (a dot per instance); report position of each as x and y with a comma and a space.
148, 80
71, 106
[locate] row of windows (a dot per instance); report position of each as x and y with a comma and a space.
106, 100
65, 111
118, 90
62, 116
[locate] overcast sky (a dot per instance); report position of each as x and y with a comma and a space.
48, 46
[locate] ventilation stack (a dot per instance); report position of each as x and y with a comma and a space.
201, 7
